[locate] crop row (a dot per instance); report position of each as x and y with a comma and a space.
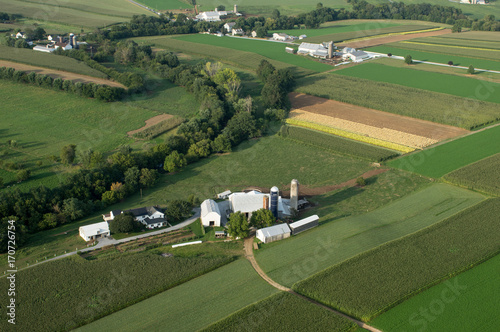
408, 266
472, 44
385, 134
350, 135
483, 175
337, 144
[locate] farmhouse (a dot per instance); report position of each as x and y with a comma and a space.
281, 36
315, 50
304, 224
254, 34
273, 233
94, 231
229, 26
151, 216
238, 32
210, 213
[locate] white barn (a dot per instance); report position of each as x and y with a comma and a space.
315, 50
304, 224
94, 231
252, 201
356, 56
280, 36
210, 213
273, 233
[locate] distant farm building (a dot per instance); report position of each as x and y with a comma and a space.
273, 233
304, 224
302, 36
247, 203
355, 56
94, 231
238, 32
210, 213
315, 50
281, 36
45, 49
254, 34
289, 50
150, 216
215, 16
229, 26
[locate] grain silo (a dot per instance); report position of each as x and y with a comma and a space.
330, 50
275, 192
294, 194
71, 35
266, 202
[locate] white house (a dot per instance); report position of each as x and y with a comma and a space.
229, 26
254, 34
273, 233
21, 35
94, 231
315, 50
238, 32
356, 56
64, 46
302, 36
150, 216
210, 213
281, 36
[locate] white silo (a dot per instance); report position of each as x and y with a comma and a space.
330, 50
294, 194
275, 192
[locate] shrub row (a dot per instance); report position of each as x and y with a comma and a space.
159, 128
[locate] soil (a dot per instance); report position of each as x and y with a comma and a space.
392, 39
151, 122
373, 117
59, 74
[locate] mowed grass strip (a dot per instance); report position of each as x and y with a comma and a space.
302, 256
337, 144
436, 82
466, 302
371, 283
442, 159
48, 60
268, 49
193, 305
483, 175
284, 312
480, 59
417, 103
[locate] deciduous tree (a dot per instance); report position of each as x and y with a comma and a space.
237, 225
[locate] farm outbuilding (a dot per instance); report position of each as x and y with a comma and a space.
94, 231
224, 194
210, 213
304, 224
273, 233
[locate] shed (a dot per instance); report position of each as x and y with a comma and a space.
304, 224
94, 231
220, 234
273, 233
210, 213
224, 194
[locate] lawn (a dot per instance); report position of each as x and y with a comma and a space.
436, 82
268, 49
417, 103
193, 305
466, 302
112, 281
166, 4
480, 59
442, 159
284, 312
483, 175
377, 280
300, 257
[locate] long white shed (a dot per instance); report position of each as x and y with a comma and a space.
273, 233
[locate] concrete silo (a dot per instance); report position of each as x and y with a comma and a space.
275, 192
330, 50
294, 194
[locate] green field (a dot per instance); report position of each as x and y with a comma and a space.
91, 13
297, 258
336, 144
436, 82
457, 43
284, 312
369, 284
166, 4
475, 36
331, 28
398, 99
466, 302
271, 50
193, 305
480, 59
111, 282
47, 60
483, 175
442, 159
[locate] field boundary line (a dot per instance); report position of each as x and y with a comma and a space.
451, 46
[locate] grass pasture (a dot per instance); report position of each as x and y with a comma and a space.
372, 282
166, 4
300, 257
442, 159
398, 99
491, 36
193, 305
483, 175
284, 312
473, 307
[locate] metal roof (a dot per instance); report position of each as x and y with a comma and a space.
94, 229
275, 230
304, 221
209, 205
247, 202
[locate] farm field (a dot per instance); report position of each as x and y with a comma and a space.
208, 299
271, 50
300, 257
283, 312
409, 265
480, 59
473, 306
336, 27
445, 41
91, 13
111, 283
442, 159
402, 100
483, 175
336, 144
476, 36
166, 4
52, 61
436, 82
49, 27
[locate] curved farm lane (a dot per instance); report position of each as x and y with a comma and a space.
54, 73
251, 258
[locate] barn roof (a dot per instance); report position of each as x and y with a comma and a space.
208, 206
304, 221
94, 229
275, 230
